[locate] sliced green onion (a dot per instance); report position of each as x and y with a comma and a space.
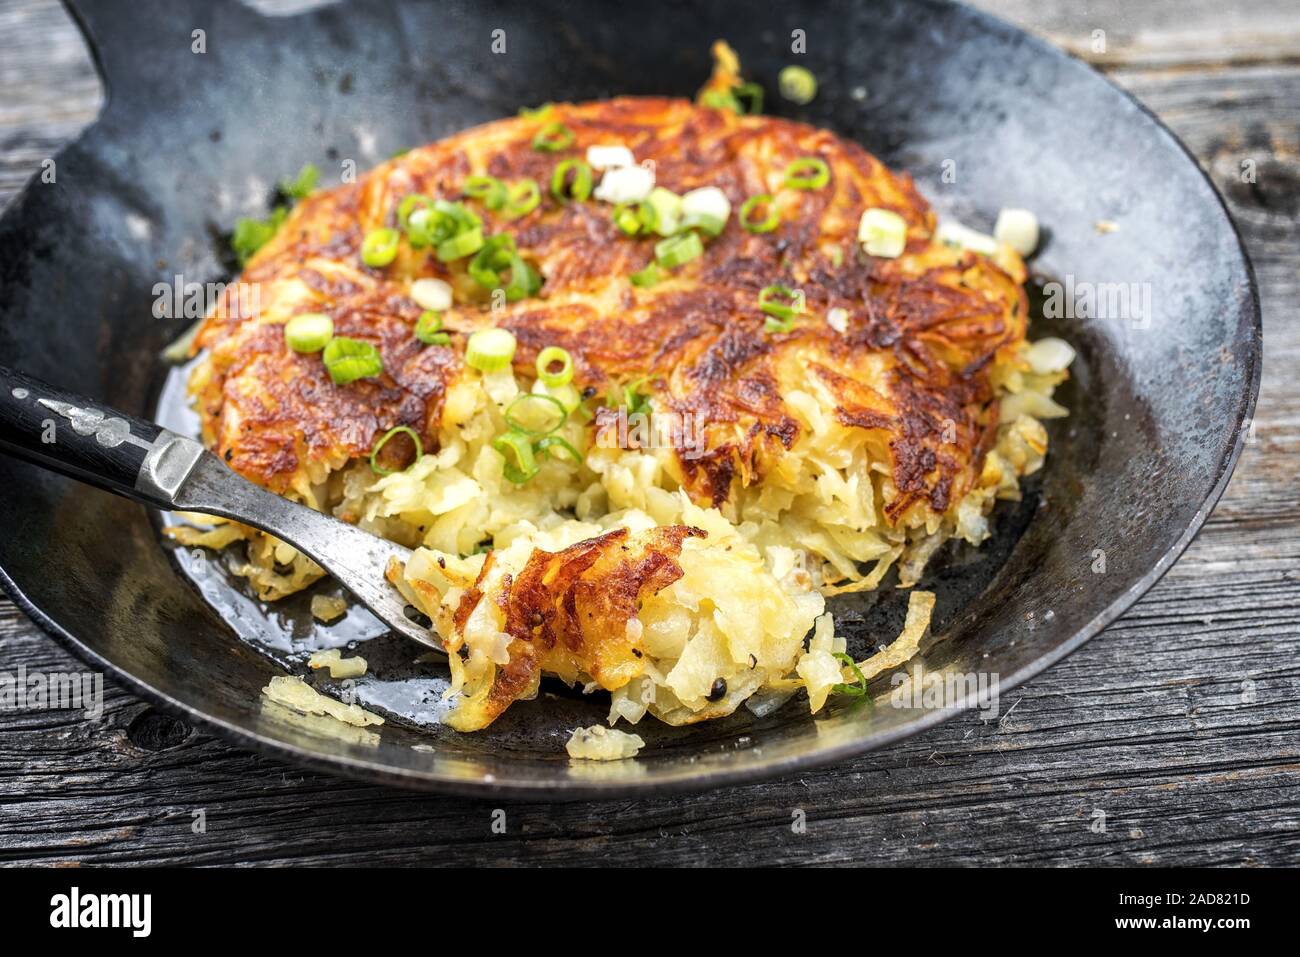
302, 185
440, 222
408, 206
553, 442
807, 172
538, 403
347, 360
632, 397
720, 100
547, 358
460, 245
522, 198
797, 84
759, 225
751, 92
250, 235
552, 138
493, 259
579, 189
308, 331
548, 374
524, 281
428, 329
379, 248
431, 293
854, 690
883, 233
490, 350
707, 209
646, 277
661, 212
515, 447
626, 219
489, 189
677, 250
498, 255
405, 429
780, 313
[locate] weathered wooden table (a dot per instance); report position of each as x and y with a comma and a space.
1180, 724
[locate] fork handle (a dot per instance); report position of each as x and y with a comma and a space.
88, 440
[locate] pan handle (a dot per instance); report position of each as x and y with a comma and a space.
135, 44
90, 442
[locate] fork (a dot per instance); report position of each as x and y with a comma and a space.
153, 465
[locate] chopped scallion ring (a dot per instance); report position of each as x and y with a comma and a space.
515, 447
626, 219
883, 233
555, 442
403, 429
432, 293
408, 205
808, 172
706, 208
797, 84
489, 189
522, 198
552, 138
524, 281
546, 360
490, 350
765, 225
460, 245
781, 304
379, 248
439, 222
493, 259
677, 250
855, 690
498, 255
661, 212
646, 277
720, 100
609, 157
308, 331
428, 329
347, 360
750, 98
533, 406
579, 189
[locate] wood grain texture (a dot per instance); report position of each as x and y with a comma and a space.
1180, 724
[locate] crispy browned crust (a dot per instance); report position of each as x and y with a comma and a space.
567, 613
933, 321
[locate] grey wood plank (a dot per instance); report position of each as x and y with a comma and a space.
1179, 724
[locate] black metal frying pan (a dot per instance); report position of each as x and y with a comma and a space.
189, 141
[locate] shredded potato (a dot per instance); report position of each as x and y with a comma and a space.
599, 743
293, 692
339, 667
